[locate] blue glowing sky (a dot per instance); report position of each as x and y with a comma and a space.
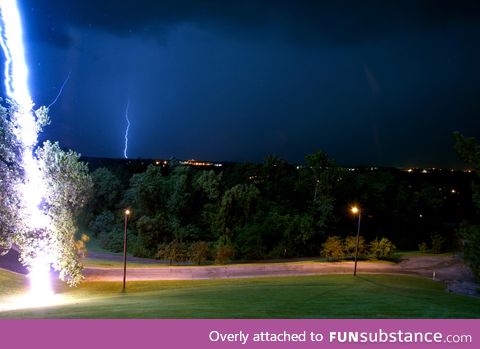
369, 82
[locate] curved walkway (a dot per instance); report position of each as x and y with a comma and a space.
449, 269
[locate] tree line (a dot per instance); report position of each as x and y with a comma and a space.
272, 210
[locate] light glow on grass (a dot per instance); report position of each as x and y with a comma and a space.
26, 301
14, 294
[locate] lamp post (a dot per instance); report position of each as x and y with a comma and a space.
127, 213
356, 210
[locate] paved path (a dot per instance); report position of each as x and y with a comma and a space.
233, 271
449, 269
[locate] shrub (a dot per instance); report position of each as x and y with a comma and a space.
162, 251
81, 245
199, 252
103, 223
224, 253
471, 253
350, 244
113, 240
175, 251
139, 249
332, 248
437, 243
383, 248
423, 247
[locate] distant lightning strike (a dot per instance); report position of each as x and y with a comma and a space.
60, 92
126, 131
32, 190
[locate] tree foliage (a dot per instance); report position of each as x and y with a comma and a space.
107, 190
274, 209
10, 178
469, 150
67, 187
471, 234
238, 204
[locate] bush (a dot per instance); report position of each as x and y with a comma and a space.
139, 249
471, 253
224, 253
199, 252
437, 243
383, 248
103, 223
175, 251
350, 245
111, 240
162, 251
81, 245
332, 248
423, 247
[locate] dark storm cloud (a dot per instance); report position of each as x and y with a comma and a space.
301, 22
383, 82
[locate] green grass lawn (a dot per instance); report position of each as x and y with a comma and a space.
406, 254
328, 296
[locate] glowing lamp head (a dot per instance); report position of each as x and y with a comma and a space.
127, 212
355, 210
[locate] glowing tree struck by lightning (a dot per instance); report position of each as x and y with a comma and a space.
32, 189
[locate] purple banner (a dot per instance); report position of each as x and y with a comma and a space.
343, 334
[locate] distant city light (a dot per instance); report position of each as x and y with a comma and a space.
194, 162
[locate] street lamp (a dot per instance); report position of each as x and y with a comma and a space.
356, 210
127, 213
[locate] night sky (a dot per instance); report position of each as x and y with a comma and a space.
369, 82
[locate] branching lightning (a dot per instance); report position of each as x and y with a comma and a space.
60, 92
126, 131
32, 191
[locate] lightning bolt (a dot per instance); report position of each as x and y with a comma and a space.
33, 189
125, 149
61, 91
